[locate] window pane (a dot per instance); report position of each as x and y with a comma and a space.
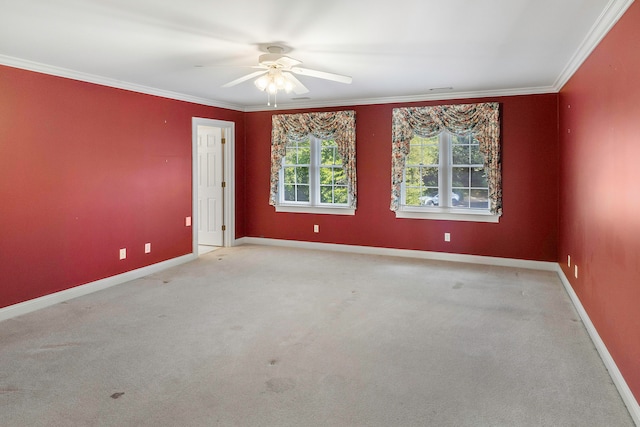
423, 151
322, 158
476, 157
460, 177
480, 199
413, 195
413, 176
291, 156
430, 154
326, 176
304, 155
460, 154
326, 194
337, 157
303, 193
289, 193
341, 195
462, 200
457, 139
289, 175
429, 197
327, 155
302, 175
430, 177
415, 155
478, 178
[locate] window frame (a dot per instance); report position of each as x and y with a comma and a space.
445, 210
314, 205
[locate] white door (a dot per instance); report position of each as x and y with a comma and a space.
210, 181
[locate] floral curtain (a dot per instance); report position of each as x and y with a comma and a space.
483, 120
339, 126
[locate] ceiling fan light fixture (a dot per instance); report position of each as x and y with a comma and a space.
273, 82
262, 83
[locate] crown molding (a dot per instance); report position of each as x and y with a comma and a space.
607, 19
105, 81
407, 99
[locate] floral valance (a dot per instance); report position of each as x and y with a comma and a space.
339, 126
483, 120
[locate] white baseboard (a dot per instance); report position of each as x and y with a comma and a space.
609, 363
58, 297
408, 253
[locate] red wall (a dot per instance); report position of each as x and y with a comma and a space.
599, 197
86, 170
527, 229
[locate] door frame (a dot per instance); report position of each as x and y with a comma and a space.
228, 213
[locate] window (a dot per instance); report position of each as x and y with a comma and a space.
313, 165
312, 174
446, 163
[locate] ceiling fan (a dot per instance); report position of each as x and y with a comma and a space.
277, 73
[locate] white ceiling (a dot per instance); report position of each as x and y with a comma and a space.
395, 50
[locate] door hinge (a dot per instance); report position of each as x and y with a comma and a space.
223, 140
224, 184
224, 228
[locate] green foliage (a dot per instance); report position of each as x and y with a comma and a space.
340, 195
479, 178
326, 176
326, 194
460, 154
423, 151
413, 195
430, 176
302, 175
289, 175
460, 176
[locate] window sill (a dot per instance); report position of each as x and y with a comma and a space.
316, 210
448, 215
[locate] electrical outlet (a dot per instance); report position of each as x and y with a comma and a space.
187, 221
123, 253
447, 237
147, 248
316, 228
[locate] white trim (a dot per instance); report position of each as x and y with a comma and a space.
471, 216
406, 253
294, 105
609, 363
106, 81
315, 210
607, 19
229, 177
88, 288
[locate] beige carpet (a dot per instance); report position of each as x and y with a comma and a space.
263, 336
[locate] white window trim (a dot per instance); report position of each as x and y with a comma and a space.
338, 210
314, 206
447, 212
411, 212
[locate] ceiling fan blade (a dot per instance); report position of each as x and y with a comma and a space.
245, 78
298, 87
321, 75
288, 62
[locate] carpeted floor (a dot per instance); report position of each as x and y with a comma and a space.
264, 336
